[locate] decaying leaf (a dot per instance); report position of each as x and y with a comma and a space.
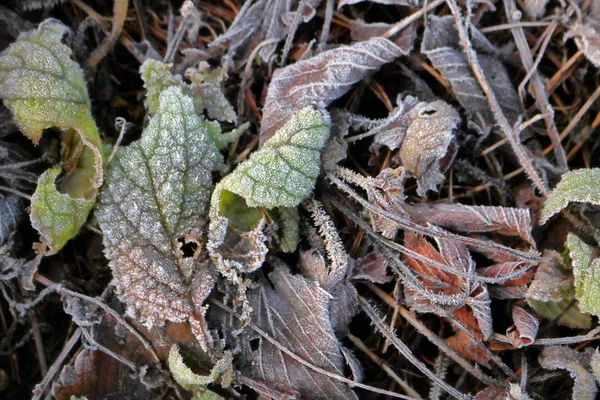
524, 330
587, 34
321, 79
11, 213
562, 357
295, 312
197, 383
462, 218
442, 47
155, 199
361, 31
429, 143
204, 88
552, 291
44, 88
582, 185
586, 271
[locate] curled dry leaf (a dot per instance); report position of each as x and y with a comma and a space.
155, 198
552, 291
428, 147
44, 88
524, 330
295, 312
577, 363
321, 79
441, 45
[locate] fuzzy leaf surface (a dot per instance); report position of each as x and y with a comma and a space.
156, 196
44, 88
284, 171
524, 330
321, 79
562, 357
582, 185
296, 314
586, 271
194, 382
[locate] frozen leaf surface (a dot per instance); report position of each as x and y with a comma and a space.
295, 312
587, 34
11, 213
44, 88
582, 185
321, 79
586, 271
442, 47
552, 291
155, 198
429, 139
562, 357
204, 88
284, 171
524, 330
462, 218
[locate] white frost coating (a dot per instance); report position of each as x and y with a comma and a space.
157, 191
284, 171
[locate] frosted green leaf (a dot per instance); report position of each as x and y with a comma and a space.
586, 272
204, 89
284, 171
582, 185
570, 316
154, 200
44, 88
196, 383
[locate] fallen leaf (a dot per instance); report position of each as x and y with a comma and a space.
361, 31
321, 79
524, 330
441, 45
295, 312
586, 271
155, 198
562, 357
586, 34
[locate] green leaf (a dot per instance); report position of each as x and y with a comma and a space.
572, 317
284, 171
582, 185
44, 88
195, 382
586, 271
155, 199
204, 88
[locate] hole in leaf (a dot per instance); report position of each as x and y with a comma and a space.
254, 344
188, 248
428, 112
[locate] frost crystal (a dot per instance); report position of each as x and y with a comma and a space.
156, 196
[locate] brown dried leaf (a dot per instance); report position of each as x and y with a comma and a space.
462, 218
442, 47
524, 330
372, 267
462, 343
361, 31
321, 79
587, 34
428, 147
296, 314
577, 363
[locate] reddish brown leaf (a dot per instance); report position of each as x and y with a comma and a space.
502, 220
524, 331
372, 267
462, 343
360, 30
322, 79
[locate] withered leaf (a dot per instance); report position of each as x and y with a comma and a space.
155, 198
524, 330
295, 312
503, 220
429, 140
577, 363
360, 30
587, 34
442, 47
321, 79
